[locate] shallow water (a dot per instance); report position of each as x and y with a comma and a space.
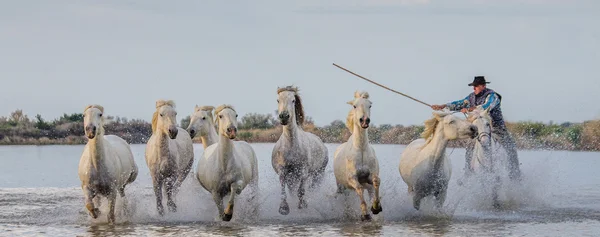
559, 196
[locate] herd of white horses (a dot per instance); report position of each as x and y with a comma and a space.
227, 166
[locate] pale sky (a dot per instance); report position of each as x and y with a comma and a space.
59, 56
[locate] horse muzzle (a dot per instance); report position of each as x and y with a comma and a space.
473, 131
364, 122
231, 132
192, 133
173, 133
90, 131
284, 118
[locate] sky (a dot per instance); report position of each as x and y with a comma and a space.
58, 56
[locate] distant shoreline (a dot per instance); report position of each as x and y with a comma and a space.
18, 129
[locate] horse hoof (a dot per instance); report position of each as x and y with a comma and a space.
284, 209
366, 217
377, 210
302, 204
227, 217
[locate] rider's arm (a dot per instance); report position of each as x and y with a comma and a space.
490, 102
458, 105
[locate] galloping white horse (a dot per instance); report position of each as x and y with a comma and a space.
202, 124
227, 166
489, 156
106, 165
424, 166
169, 154
355, 163
298, 155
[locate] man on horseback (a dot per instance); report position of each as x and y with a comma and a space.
484, 98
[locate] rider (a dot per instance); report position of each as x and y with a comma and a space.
484, 98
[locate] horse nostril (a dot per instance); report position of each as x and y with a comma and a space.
360, 120
368, 120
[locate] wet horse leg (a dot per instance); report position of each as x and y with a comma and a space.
158, 183
90, 196
353, 182
219, 202
112, 198
284, 208
376, 207
170, 186
236, 189
301, 189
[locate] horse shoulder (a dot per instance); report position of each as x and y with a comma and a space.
207, 170
84, 163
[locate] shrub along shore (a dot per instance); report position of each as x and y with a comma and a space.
18, 129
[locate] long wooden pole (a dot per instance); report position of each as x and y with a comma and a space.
385, 87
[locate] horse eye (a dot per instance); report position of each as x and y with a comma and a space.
451, 122
236, 115
293, 101
277, 101
175, 114
354, 106
203, 118
100, 115
220, 116
161, 115
370, 106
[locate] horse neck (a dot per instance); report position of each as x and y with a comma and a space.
225, 151
291, 130
211, 136
96, 149
437, 146
360, 137
163, 143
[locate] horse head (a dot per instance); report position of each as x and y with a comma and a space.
482, 120
93, 121
360, 113
290, 107
454, 127
226, 119
200, 121
164, 118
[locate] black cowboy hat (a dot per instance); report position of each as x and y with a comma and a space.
479, 80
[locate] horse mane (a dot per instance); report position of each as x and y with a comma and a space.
221, 108
472, 116
350, 117
430, 126
299, 108
206, 108
94, 106
160, 103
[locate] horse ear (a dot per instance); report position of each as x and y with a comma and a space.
439, 115
356, 94
350, 102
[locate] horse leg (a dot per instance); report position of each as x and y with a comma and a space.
353, 182
284, 208
89, 202
301, 202
170, 186
158, 183
440, 198
376, 206
112, 198
219, 202
495, 190
125, 206
236, 189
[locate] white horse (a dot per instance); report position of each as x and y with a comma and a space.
424, 166
489, 156
169, 154
355, 164
106, 165
202, 124
298, 155
228, 166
